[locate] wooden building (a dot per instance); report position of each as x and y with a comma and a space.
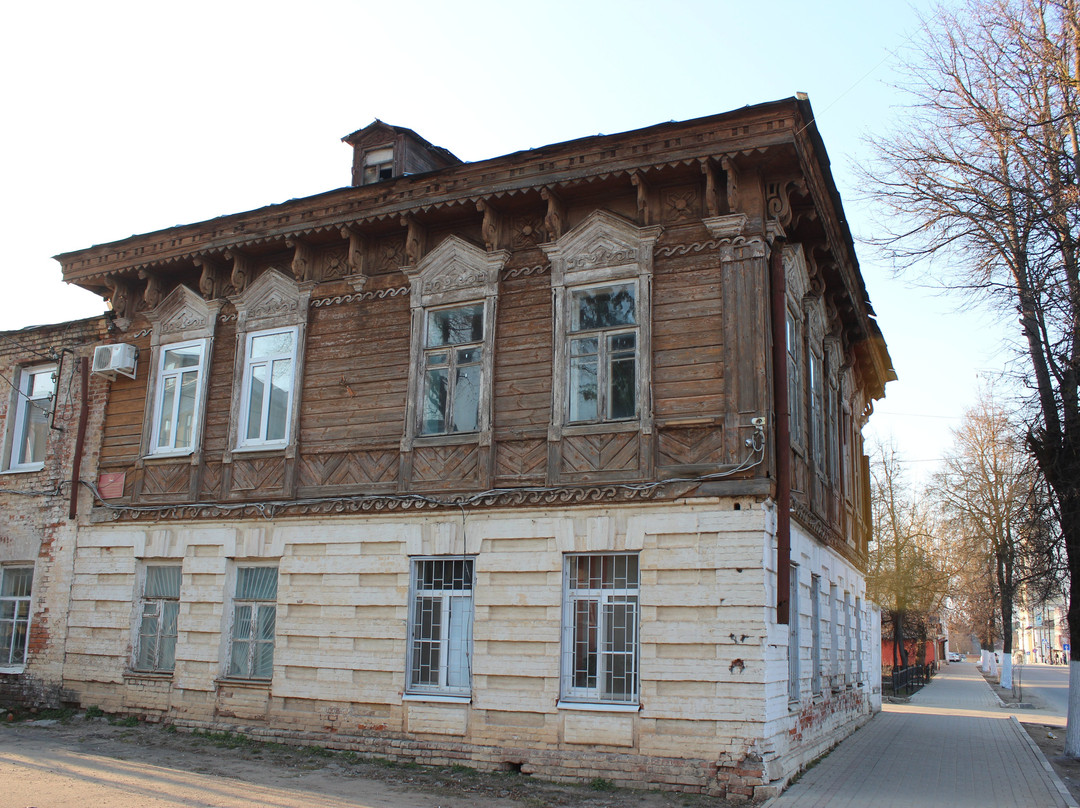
549, 462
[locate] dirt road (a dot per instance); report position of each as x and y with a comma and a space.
92, 764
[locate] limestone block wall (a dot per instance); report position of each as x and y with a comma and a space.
805, 721
339, 675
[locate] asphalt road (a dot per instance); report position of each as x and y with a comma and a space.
1046, 685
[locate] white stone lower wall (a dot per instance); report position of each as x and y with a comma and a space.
848, 690
707, 678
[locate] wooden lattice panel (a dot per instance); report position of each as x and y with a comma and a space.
521, 459
453, 465
263, 474
620, 451
690, 446
168, 479
349, 468
211, 482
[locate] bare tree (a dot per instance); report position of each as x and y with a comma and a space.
907, 573
989, 489
984, 173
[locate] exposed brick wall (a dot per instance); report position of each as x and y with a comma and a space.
34, 524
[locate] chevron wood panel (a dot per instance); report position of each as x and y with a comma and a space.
349, 468
265, 474
521, 459
169, 478
211, 482
620, 451
690, 446
446, 464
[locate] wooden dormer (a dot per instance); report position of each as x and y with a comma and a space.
383, 152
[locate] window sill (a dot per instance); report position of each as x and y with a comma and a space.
155, 675
168, 455
254, 684
448, 439
268, 449
12, 668
437, 697
24, 469
594, 427
597, 706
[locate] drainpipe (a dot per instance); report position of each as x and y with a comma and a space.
80, 437
782, 430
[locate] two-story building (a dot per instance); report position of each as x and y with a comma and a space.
550, 462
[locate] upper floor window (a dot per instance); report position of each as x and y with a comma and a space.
601, 282
267, 392
794, 377
440, 629
603, 352
15, 583
34, 391
453, 370
183, 331
160, 607
378, 165
177, 397
452, 300
600, 646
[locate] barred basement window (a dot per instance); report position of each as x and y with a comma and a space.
440, 629
251, 652
15, 583
600, 647
156, 649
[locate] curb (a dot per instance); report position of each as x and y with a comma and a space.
1065, 795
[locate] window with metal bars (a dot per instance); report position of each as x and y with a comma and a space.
600, 647
440, 626
15, 584
251, 649
156, 650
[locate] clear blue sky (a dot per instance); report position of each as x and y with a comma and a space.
127, 117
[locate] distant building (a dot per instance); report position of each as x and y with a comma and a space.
550, 462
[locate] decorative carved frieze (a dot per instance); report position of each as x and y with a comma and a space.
166, 479
526, 232
263, 475
565, 495
680, 205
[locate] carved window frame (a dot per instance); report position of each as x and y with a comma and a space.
797, 287
454, 274
182, 318
604, 250
274, 302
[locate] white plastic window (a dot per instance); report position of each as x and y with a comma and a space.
176, 398
156, 650
251, 651
600, 629
15, 583
453, 369
603, 353
267, 393
33, 403
440, 627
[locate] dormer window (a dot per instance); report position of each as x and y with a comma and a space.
378, 165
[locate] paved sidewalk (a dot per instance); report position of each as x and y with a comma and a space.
952, 746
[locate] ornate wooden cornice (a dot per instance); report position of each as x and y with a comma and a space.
746, 133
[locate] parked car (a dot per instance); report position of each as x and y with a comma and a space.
955, 657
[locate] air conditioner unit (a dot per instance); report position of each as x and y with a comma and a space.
112, 359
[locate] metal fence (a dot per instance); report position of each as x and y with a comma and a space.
905, 681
